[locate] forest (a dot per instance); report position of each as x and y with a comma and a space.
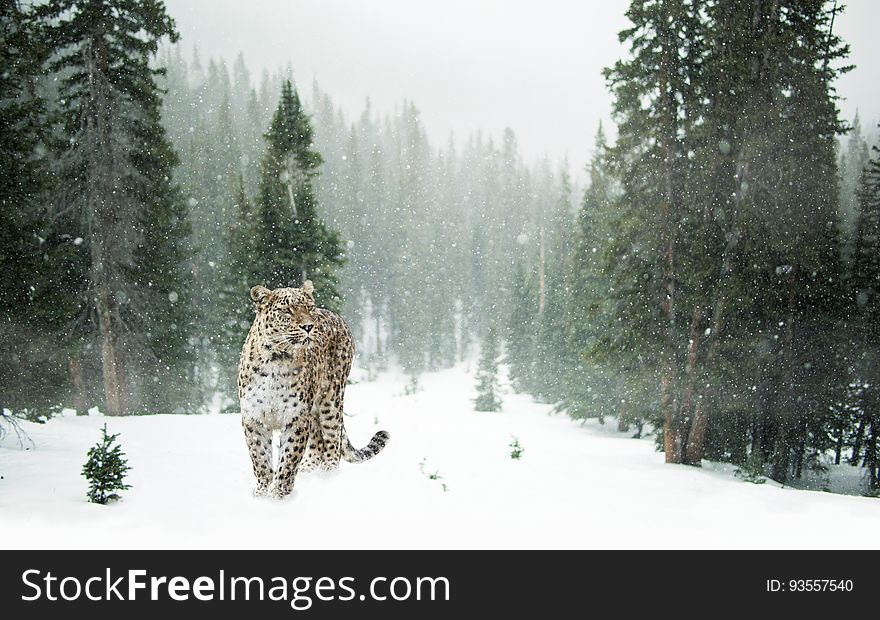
712, 277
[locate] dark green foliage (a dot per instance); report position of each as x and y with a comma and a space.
234, 311
753, 469
520, 353
29, 264
105, 469
516, 450
163, 318
487, 374
22, 158
292, 243
723, 259
595, 384
116, 195
864, 402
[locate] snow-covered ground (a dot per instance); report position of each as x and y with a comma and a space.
576, 486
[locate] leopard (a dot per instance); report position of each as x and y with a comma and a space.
292, 375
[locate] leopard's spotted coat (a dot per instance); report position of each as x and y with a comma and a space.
291, 379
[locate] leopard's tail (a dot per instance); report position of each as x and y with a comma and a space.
379, 441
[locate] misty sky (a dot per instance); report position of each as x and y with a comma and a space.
534, 66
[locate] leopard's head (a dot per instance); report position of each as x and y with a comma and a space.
285, 316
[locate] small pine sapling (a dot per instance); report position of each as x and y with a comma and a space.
105, 469
753, 469
487, 375
516, 450
432, 476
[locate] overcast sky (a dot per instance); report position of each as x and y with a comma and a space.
469, 64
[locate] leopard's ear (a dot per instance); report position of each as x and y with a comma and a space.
259, 292
308, 288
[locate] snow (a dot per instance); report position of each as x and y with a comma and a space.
576, 486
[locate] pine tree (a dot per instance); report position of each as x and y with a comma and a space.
552, 345
109, 105
161, 311
654, 301
852, 163
22, 158
521, 337
865, 285
29, 263
728, 218
591, 374
488, 398
411, 293
235, 310
105, 469
294, 244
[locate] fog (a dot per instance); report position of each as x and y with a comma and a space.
533, 66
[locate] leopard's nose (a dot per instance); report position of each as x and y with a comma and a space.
307, 327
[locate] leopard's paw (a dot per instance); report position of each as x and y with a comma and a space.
279, 491
329, 466
305, 468
260, 490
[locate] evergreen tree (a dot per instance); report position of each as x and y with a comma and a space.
593, 387
650, 292
161, 312
412, 290
235, 311
105, 469
109, 106
728, 220
865, 285
294, 244
487, 374
852, 163
24, 184
551, 346
521, 333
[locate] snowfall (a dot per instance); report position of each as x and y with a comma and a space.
445, 481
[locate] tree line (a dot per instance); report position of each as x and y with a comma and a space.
723, 283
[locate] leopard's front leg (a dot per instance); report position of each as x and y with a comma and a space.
259, 442
314, 455
293, 438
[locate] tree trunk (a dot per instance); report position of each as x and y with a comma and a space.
115, 400
378, 334
856, 457
669, 426
668, 212
622, 419
872, 412
691, 374
802, 447
697, 437
103, 219
838, 448
77, 381
700, 419
785, 414
871, 460
541, 290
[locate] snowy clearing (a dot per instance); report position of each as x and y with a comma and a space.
576, 486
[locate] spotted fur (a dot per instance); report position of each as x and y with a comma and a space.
291, 379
